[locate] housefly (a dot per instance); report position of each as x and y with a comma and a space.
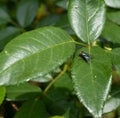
85, 56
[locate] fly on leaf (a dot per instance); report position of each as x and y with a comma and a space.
85, 56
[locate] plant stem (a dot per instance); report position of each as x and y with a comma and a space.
53, 80
81, 44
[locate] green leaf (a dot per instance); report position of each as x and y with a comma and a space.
58, 100
113, 101
45, 78
62, 3
32, 109
2, 94
34, 54
63, 82
49, 20
114, 17
23, 91
92, 80
117, 69
115, 56
87, 18
4, 17
57, 117
7, 34
111, 32
113, 3
27, 11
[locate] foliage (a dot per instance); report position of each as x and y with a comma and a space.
59, 58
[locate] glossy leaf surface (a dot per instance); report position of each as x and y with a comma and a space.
2, 94
113, 101
113, 3
27, 11
87, 18
92, 80
111, 32
23, 91
32, 109
33, 54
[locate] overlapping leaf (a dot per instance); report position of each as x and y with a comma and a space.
33, 54
4, 16
2, 94
24, 91
114, 17
111, 32
7, 34
87, 18
113, 101
113, 3
92, 80
32, 109
27, 11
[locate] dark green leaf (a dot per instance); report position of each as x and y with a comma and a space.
115, 56
32, 109
57, 117
114, 17
63, 82
34, 54
49, 20
2, 94
92, 80
27, 11
7, 34
117, 68
113, 101
111, 32
113, 3
4, 17
23, 91
87, 18
57, 100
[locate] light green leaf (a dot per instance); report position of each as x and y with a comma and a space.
23, 91
113, 101
4, 17
34, 54
27, 11
2, 94
87, 18
32, 109
45, 78
92, 80
113, 3
111, 32
7, 34
114, 17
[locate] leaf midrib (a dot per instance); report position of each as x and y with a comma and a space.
89, 50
